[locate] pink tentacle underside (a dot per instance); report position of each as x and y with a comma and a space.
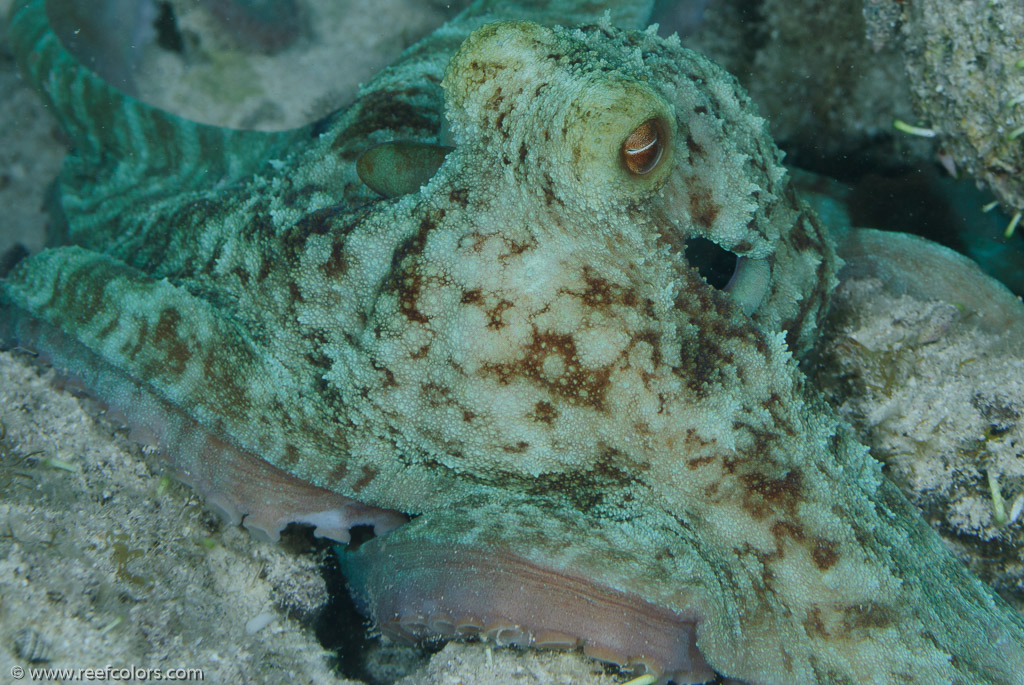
449, 592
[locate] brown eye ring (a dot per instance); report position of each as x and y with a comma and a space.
643, 148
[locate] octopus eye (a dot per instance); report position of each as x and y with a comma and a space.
642, 150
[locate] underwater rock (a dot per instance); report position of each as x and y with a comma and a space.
924, 357
829, 94
31, 153
965, 65
267, 80
887, 95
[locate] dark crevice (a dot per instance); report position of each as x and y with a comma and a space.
11, 257
166, 26
341, 629
360, 535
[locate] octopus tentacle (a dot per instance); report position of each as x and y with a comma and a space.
425, 582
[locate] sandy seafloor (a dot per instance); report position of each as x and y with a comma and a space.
105, 558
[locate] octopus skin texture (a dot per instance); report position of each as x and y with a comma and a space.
566, 429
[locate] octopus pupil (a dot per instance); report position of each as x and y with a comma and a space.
715, 264
641, 151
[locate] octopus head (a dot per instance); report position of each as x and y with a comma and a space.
650, 147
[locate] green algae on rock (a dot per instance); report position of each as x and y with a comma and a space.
591, 436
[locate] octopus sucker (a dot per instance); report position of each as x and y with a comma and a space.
567, 428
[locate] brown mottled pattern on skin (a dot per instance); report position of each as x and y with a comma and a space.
519, 352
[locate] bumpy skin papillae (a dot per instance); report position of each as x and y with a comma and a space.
681, 460
519, 352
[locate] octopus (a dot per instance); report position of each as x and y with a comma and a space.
532, 308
